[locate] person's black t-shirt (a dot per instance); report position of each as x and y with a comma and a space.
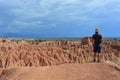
97, 38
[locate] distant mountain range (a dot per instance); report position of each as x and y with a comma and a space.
35, 35
19, 35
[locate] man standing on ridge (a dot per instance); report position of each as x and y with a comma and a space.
97, 38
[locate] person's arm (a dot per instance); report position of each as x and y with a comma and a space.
93, 40
101, 39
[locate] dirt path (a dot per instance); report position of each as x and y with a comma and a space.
87, 71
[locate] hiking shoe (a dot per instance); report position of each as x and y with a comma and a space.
94, 60
99, 60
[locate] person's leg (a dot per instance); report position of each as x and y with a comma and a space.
95, 53
99, 53
99, 57
94, 57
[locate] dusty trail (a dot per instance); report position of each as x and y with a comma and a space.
87, 71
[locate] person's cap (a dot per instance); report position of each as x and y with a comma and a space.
97, 30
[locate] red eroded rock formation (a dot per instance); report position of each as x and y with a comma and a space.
15, 54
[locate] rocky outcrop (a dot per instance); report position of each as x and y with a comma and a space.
87, 41
115, 44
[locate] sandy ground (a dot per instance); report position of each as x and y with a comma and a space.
87, 71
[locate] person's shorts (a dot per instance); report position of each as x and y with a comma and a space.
97, 48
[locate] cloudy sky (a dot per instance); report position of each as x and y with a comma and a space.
59, 18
